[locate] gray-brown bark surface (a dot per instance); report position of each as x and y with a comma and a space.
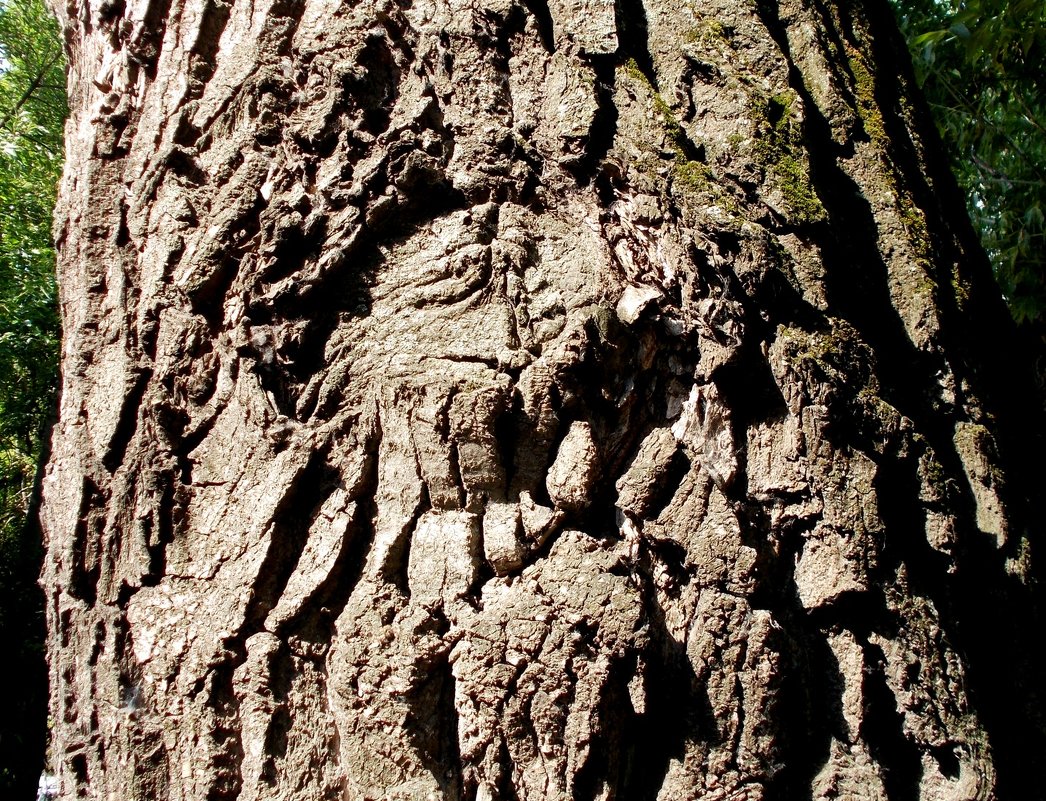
502, 400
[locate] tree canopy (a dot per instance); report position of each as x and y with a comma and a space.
32, 112
982, 66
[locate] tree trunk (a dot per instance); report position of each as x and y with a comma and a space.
528, 401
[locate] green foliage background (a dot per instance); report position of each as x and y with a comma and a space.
32, 112
982, 66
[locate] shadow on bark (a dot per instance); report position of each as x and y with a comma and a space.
634, 748
985, 611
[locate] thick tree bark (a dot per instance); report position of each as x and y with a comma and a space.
523, 401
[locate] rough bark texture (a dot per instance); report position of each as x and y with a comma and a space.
509, 400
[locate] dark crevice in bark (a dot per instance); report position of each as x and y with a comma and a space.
221, 262
947, 761
539, 10
292, 247
454, 463
86, 551
282, 672
883, 730
507, 432
394, 570
203, 60
634, 38
289, 534
975, 606
78, 764
333, 595
618, 397
808, 706
226, 761
861, 612
750, 391
432, 726
276, 741
603, 129
506, 787
314, 622
775, 297
677, 710
190, 442
809, 698
158, 530
897, 487
678, 469
146, 48
372, 94
151, 778
345, 295
108, 15
127, 424
284, 19
608, 759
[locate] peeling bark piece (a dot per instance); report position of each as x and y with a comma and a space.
570, 107
850, 773
538, 521
976, 449
849, 657
828, 568
444, 557
573, 473
501, 544
329, 535
633, 301
251, 683
645, 476
472, 416
435, 454
705, 430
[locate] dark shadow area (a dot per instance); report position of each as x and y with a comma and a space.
315, 622
23, 669
539, 10
633, 748
985, 611
291, 522
883, 730
809, 702
432, 723
634, 38
603, 128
